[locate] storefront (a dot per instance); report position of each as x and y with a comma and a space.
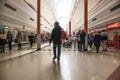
8, 28
14, 31
113, 30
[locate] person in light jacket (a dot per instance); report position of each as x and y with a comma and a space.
19, 40
104, 38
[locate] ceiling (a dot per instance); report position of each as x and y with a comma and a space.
97, 9
24, 13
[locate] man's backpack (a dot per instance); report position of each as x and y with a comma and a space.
63, 34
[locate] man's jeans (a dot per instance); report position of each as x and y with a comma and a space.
58, 46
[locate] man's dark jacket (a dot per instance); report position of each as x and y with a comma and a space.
56, 35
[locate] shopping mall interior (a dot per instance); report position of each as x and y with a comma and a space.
79, 60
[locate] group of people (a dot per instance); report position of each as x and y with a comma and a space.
8, 39
93, 40
78, 38
4, 39
98, 39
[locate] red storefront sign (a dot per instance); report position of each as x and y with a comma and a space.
113, 25
97, 30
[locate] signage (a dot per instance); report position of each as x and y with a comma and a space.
113, 25
97, 30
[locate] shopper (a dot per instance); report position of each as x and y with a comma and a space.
3, 39
104, 38
31, 39
56, 38
82, 41
1, 42
78, 39
74, 40
97, 41
19, 40
9, 39
91, 39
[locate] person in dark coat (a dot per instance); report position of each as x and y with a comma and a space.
78, 39
9, 39
82, 41
97, 41
31, 39
1, 42
56, 38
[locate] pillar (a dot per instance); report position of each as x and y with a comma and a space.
38, 25
86, 16
86, 23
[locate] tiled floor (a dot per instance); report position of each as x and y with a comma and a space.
74, 65
10, 54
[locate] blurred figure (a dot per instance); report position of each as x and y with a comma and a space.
74, 39
19, 40
104, 38
82, 41
97, 41
31, 39
9, 39
3, 40
78, 39
56, 38
91, 39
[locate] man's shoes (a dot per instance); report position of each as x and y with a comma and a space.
54, 58
58, 59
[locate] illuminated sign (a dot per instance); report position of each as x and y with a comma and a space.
113, 25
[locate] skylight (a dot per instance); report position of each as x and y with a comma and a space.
63, 10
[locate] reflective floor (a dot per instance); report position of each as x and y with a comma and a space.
73, 65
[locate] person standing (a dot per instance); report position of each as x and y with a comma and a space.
31, 39
9, 39
19, 40
97, 41
104, 38
82, 41
78, 39
1, 42
91, 39
4, 41
56, 38
74, 39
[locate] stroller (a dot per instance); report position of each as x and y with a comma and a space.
67, 43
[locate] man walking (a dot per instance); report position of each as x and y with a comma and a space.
56, 38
